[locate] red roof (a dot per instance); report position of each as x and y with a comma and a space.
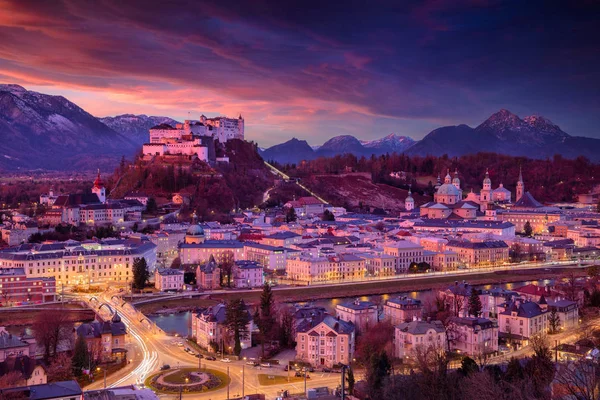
308, 200
98, 182
532, 290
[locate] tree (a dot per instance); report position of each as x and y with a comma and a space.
468, 366
475, 306
50, 328
539, 370
378, 369
140, 273
554, 321
375, 341
236, 321
328, 216
350, 379
265, 316
286, 328
579, 380
527, 229
290, 215
81, 356
60, 368
226, 268
11, 379
514, 370
151, 206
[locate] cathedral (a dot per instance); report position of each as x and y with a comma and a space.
448, 199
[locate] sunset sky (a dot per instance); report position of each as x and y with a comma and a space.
313, 70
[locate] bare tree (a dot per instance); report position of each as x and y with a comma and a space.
579, 380
51, 328
11, 379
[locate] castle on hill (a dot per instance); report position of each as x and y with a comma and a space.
193, 138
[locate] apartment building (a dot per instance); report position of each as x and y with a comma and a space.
168, 279
402, 309
325, 341
363, 314
473, 336
410, 335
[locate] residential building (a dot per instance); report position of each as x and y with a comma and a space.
405, 253
168, 279
15, 346
17, 288
363, 314
282, 239
271, 257
210, 332
196, 253
325, 341
139, 196
402, 309
473, 336
410, 335
379, 264
208, 275
247, 274
567, 311
496, 228
306, 206
66, 390
340, 267
480, 254
519, 320
27, 370
105, 340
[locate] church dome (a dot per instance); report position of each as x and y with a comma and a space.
195, 230
448, 189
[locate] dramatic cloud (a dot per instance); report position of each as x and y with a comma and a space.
312, 70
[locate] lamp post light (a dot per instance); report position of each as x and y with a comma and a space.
243, 378
99, 369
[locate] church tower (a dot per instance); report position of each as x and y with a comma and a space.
520, 186
456, 181
486, 193
99, 189
409, 202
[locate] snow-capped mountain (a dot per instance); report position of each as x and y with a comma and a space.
389, 144
43, 131
341, 145
135, 127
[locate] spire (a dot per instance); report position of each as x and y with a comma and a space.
520, 174
456, 172
98, 182
194, 218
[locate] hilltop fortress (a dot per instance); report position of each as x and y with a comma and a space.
193, 138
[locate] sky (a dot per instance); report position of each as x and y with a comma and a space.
313, 70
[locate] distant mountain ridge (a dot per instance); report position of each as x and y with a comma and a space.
503, 132
135, 127
50, 132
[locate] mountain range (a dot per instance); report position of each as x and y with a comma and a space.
50, 132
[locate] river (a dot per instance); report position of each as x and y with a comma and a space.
179, 323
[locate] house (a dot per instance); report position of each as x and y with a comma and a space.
247, 274
139, 196
208, 327
15, 346
28, 370
473, 336
521, 319
66, 390
131, 392
363, 314
168, 279
208, 275
480, 254
567, 311
105, 340
405, 253
402, 309
325, 341
410, 335
457, 296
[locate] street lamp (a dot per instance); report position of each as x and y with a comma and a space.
99, 369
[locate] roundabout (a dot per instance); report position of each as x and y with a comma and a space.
187, 380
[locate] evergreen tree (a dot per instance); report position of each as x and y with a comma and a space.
236, 321
140, 273
475, 306
328, 216
286, 329
290, 215
265, 315
468, 366
351, 381
554, 321
151, 206
378, 369
514, 370
81, 356
527, 229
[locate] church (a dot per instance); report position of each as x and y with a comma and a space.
448, 199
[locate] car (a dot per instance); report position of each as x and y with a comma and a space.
187, 349
180, 344
310, 369
265, 365
251, 363
301, 375
225, 360
210, 358
286, 368
199, 355
326, 370
165, 367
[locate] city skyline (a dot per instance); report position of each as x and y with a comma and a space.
312, 73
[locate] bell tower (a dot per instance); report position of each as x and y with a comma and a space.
520, 186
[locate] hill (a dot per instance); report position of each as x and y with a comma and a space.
50, 132
213, 191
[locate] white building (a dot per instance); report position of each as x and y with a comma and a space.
325, 341
168, 279
247, 274
410, 335
473, 336
519, 320
210, 332
363, 314
405, 253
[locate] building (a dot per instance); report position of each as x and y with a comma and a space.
306, 206
139, 196
98, 189
197, 253
457, 296
105, 340
490, 253
567, 311
339, 267
210, 332
402, 309
271, 257
15, 346
208, 275
281, 239
325, 341
168, 279
496, 228
410, 335
473, 336
16, 288
405, 253
73, 263
539, 220
26, 371
379, 264
521, 319
66, 390
247, 274
363, 314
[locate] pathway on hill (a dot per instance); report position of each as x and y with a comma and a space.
287, 177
